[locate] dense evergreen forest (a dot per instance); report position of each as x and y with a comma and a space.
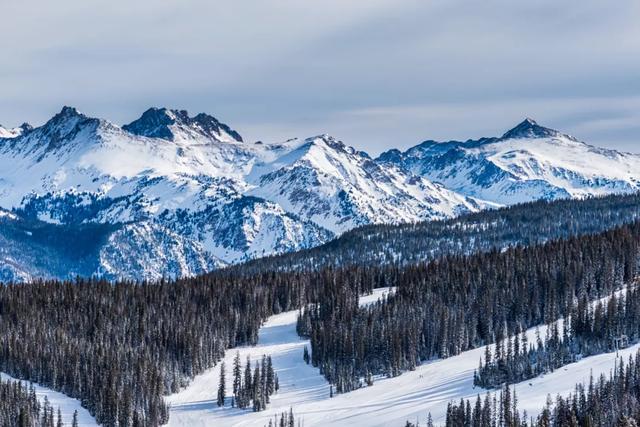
602, 403
404, 244
120, 347
20, 407
590, 330
459, 303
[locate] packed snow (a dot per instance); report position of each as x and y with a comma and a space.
300, 384
57, 400
389, 402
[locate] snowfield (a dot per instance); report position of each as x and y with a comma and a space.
57, 400
301, 385
389, 402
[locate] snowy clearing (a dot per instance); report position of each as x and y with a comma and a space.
389, 402
300, 384
57, 400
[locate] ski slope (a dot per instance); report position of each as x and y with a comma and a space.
300, 384
57, 400
389, 402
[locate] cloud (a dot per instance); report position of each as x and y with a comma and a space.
377, 73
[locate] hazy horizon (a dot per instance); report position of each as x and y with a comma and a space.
378, 74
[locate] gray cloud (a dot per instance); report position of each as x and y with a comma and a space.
376, 73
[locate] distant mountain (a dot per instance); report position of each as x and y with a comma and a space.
528, 162
176, 195
15, 132
171, 194
340, 188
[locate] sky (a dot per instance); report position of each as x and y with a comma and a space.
376, 74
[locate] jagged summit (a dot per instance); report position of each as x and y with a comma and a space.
189, 189
68, 111
173, 124
23, 129
529, 128
67, 118
26, 127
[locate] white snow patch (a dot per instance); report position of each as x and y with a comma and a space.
389, 402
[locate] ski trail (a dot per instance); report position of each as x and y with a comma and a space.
389, 402
299, 383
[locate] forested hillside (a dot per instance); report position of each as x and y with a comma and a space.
590, 329
604, 402
19, 406
120, 347
462, 302
524, 224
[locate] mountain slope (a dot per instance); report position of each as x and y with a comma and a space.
78, 170
185, 194
528, 162
342, 188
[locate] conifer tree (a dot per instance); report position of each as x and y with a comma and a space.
221, 385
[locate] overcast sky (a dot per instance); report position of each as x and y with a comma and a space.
375, 73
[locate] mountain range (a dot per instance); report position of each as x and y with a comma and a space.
171, 194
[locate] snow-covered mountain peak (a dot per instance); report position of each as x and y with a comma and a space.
178, 125
66, 121
188, 185
529, 128
15, 132
66, 131
335, 144
528, 162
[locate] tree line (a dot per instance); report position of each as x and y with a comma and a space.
458, 303
20, 407
589, 330
604, 402
119, 348
405, 244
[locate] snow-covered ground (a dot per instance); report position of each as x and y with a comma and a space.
300, 384
389, 402
57, 400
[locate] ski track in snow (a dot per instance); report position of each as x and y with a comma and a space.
57, 400
389, 402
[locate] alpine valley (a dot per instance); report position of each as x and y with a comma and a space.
172, 195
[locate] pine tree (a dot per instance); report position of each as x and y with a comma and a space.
237, 375
270, 377
258, 403
74, 422
305, 355
221, 385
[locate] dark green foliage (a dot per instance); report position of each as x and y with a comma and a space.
404, 244
221, 386
604, 402
591, 330
501, 411
120, 347
458, 302
20, 407
257, 388
285, 419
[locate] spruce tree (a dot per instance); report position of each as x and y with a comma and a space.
221, 385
